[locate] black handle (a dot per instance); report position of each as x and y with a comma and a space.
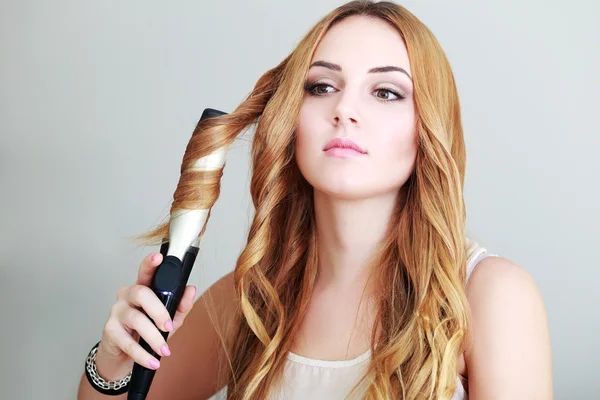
168, 283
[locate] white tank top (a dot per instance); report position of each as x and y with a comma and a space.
306, 378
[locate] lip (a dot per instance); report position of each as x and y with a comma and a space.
343, 153
343, 146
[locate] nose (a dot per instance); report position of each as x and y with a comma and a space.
344, 112
343, 119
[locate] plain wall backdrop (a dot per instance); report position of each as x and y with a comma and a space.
99, 99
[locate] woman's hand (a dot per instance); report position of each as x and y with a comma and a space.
127, 322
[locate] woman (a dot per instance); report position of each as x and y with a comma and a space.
353, 283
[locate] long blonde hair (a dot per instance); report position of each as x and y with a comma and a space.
423, 315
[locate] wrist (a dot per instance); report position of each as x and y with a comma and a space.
112, 368
105, 385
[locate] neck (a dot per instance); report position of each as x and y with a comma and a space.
349, 234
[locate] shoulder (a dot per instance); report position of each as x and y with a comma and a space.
220, 301
508, 350
499, 274
500, 291
503, 296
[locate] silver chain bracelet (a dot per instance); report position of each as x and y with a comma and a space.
98, 381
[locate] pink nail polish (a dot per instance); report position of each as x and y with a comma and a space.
169, 326
154, 364
165, 350
153, 257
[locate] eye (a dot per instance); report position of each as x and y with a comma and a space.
311, 88
388, 91
316, 89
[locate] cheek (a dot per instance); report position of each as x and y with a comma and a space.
307, 143
402, 145
397, 151
302, 149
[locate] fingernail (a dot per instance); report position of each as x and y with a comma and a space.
165, 350
153, 256
169, 326
154, 364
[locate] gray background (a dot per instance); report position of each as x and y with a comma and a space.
99, 99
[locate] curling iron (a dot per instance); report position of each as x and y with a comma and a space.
179, 254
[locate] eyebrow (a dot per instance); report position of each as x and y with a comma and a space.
336, 67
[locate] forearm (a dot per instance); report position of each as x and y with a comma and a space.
87, 392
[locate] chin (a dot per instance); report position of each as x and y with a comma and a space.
343, 190
353, 189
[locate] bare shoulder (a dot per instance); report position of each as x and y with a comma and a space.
508, 353
197, 367
500, 274
220, 303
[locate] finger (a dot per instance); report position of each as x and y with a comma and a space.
187, 300
144, 298
148, 268
185, 306
136, 320
133, 349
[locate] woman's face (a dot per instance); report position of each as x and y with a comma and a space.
375, 110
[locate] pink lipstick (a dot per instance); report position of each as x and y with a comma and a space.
345, 148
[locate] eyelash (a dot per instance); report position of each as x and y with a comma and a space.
309, 87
